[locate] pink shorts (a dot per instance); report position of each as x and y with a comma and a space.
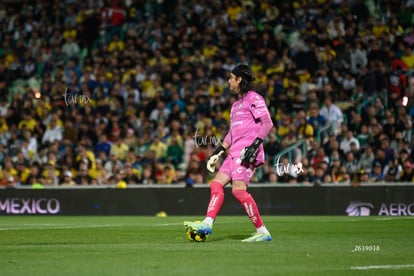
235, 171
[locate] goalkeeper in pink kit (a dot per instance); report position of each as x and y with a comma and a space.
250, 123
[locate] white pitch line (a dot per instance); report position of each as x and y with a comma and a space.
63, 226
40, 227
382, 267
165, 224
56, 226
396, 218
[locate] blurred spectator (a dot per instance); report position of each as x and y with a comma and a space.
392, 171
363, 176
112, 163
161, 113
159, 148
334, 166
376, 174
408, 57
117, 13
103, 145
403, 157
305, 130
7, 181
67, 179
69, 131
358, 58
407, 174
316, 119
50, 175
174, 152
351, 164
8, 170
100, 173
345, 144
34, 174
355, 151
83, 177
131, 139
343, 176
292, 136
53, 132
29, 69
195, 174
86, 157
148, 175
355, 123
397, 143
131, 175
332, 148
319, 158
320, 177
70, 48
118, 179
332, 113
168, 176
120, 149
28, 122
22, 172
363, 137
391, 127
116, 44
272, 147
308, 174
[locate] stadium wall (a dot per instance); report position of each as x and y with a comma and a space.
344, 200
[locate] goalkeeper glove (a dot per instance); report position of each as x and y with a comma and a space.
248, 154
214, 158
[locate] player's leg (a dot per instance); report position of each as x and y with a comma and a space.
221, 179
239, 190
216, 197
214, 206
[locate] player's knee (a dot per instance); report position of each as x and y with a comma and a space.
240, 195
216, 187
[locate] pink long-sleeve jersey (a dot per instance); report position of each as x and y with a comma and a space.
249, 118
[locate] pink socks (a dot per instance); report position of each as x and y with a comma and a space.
245, 199
249, 205
216, 199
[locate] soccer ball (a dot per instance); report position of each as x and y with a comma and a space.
197, 237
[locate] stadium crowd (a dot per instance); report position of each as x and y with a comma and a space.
135, 92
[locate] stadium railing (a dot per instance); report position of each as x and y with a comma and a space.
323, 132
289, 151
302, 144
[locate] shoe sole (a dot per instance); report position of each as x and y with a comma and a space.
257, 240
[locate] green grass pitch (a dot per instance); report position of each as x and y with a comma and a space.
310, 245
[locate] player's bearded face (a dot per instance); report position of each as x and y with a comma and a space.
234, 82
